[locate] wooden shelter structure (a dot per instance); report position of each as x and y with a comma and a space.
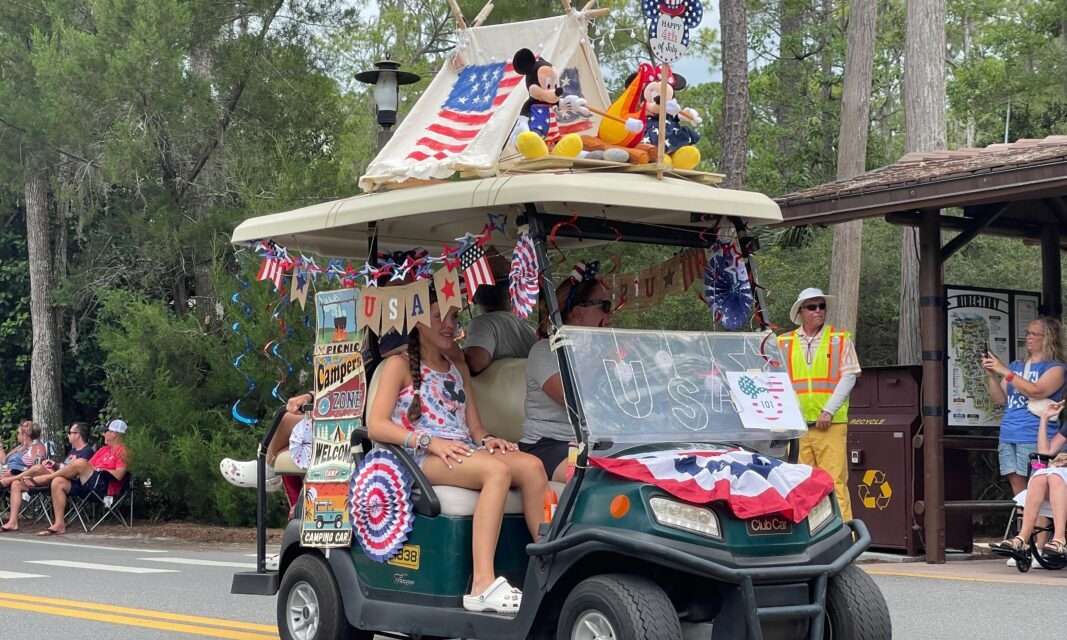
1017, 190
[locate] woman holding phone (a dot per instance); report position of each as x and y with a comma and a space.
1039, 376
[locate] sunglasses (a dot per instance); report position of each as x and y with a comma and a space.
821, 306
605, 305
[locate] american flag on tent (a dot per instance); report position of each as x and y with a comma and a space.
478, 91
475, 268
474, 98
751, 484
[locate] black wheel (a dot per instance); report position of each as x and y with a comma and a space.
1046, 561
309, 604
618, 607
318, 523
855, 608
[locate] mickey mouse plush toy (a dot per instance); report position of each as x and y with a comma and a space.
680, 140
534, 129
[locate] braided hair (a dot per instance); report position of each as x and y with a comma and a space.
415, 367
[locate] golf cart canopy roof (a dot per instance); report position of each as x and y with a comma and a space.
432, 216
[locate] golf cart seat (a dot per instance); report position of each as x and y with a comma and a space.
284, 465
500, 395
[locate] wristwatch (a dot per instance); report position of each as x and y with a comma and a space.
422, 441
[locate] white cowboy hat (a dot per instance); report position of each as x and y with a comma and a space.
807, 294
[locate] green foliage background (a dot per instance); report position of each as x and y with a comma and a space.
162, 124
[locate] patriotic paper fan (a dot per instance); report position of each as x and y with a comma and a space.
524, 284
727, 287
380, 504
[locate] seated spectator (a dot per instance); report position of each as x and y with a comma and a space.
80, 476
80, 449
1048, 483
496, 333
30, 451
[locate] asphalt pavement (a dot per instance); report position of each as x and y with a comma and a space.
105, 588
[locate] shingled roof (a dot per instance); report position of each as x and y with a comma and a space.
914, 176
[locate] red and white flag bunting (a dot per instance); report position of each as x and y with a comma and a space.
751, 484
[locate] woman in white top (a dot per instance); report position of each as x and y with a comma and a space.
584, 301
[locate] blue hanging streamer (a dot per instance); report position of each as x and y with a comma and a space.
273, 347
250, 382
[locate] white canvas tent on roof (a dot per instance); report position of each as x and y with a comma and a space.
465, 117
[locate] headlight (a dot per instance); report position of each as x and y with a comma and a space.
820, 515
679, 515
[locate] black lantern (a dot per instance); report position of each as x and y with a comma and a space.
387, 79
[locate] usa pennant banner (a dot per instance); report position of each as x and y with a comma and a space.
750, 484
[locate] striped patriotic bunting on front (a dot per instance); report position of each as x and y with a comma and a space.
751, 484
478, 91
475, 267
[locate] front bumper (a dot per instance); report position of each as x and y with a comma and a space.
747, 574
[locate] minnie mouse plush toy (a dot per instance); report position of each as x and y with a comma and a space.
680, 140
534, 129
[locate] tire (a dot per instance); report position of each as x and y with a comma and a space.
309, 593
337, 523
855, 608
318, 523
632, 607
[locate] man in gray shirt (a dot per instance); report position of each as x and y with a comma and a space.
496, 333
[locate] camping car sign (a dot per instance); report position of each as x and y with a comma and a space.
669, 24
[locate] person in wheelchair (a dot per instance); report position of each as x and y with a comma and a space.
1048, 482
424, 404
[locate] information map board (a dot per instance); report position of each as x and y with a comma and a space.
978, 320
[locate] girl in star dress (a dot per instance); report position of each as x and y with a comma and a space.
424, 404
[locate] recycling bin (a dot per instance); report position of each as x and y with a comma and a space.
885, 460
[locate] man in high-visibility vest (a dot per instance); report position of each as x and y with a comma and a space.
823, 366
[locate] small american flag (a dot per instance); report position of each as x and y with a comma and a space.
478, 91
475, 268
272, 269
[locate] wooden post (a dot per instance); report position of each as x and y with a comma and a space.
661, 144
483, 14
934, 344
1051, 288
457, 14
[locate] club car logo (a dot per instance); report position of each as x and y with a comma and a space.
768, 525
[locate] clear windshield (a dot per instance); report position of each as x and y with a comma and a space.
674, 386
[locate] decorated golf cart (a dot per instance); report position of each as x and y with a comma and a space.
677, 522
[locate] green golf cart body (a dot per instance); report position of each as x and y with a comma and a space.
620, 558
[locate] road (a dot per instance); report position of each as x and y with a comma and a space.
132, 590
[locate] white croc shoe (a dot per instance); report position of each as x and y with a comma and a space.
498, 597
242, 473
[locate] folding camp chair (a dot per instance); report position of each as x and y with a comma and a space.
95, 507
36, 505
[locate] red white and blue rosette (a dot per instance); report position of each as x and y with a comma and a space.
524, 283
727, 286
380, 503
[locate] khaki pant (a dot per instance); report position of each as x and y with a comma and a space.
825, 449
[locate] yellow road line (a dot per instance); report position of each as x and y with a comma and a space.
917, 574
210, 627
